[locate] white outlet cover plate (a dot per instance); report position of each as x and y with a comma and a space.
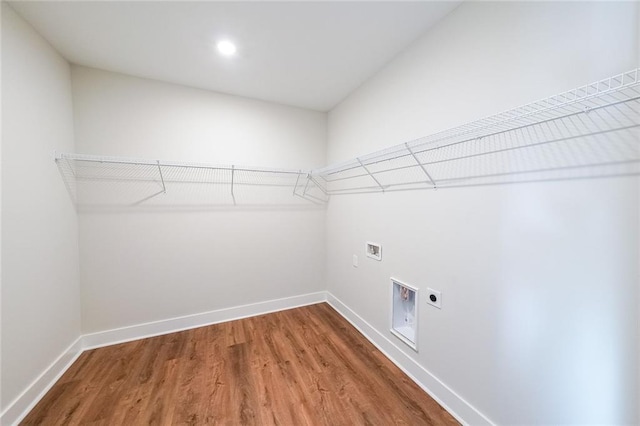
438, 302
355, 261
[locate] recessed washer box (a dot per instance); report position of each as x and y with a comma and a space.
374, 250
404, 313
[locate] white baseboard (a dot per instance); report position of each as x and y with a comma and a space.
25, 402
172, 325
464, 412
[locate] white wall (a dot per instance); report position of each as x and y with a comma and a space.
40, 277
638, 334
539, 281
144, 266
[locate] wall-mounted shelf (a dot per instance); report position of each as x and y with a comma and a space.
95, 181
591, 131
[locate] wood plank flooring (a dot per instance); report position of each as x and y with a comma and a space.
304, 366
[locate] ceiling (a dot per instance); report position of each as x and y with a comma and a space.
305, 54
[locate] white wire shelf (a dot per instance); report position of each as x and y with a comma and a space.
591, 131
94, 181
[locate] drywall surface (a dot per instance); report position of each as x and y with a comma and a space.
142, 265
539, 281
40, 274
638, 298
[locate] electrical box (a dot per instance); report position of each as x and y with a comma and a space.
374, 250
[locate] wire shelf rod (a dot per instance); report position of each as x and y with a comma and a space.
529, 145
136, 162
471, 185
444, 183
545, 170
237, 184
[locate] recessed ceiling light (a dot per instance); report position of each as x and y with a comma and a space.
226, 47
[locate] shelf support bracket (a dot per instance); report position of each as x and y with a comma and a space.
233, 172
431, 181
164, 189
318, 184
371, 174
306, 185
295, 188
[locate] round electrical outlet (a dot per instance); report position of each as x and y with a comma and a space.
435, 298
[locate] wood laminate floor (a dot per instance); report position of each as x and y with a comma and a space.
304, 366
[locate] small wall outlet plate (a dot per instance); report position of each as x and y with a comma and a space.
434, 298
374, 250
355, 261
